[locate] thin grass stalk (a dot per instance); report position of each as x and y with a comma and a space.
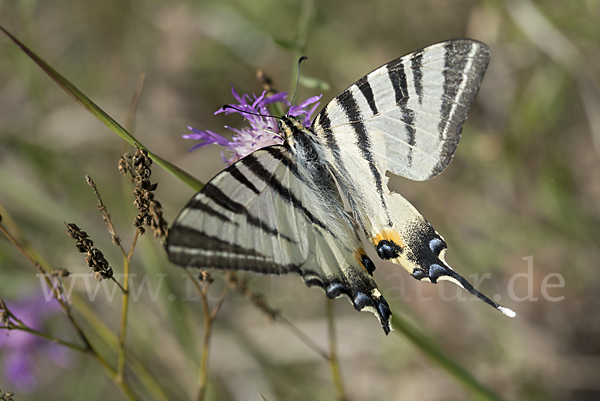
101, 115
203, 369
137, 367
73, 346
124, 315
334, 366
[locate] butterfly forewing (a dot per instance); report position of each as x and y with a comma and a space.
407, 115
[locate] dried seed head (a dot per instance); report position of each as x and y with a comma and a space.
60, 273
205, 277
4, 318
94, 258
125, 164
75, 232
7, 396
150, 210
266, 83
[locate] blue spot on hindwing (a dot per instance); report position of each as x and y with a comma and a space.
437, 245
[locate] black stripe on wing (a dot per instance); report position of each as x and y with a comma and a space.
254, 165
217, 196
366, 90
465, 63
242, 179
183, 248
204, 207
416, 62
278, 153
397, 77
348, 103
323, 124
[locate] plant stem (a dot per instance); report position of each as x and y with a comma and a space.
48, 337
124, 315
101, 115
334, 365
203, 369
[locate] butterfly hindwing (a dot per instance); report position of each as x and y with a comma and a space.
267, 213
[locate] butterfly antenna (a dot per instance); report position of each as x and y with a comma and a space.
228, 106
298, 78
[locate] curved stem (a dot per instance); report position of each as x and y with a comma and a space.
48, 337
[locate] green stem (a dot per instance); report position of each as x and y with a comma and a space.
334, 365
48, 337
124, 315
100, 328
203, 369
122, 384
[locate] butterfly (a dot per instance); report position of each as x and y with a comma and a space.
279, 210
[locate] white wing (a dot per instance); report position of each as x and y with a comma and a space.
405, 117
268, 214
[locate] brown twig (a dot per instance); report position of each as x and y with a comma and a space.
259, 301
105, 215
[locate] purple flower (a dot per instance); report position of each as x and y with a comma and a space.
21, 350
263, 129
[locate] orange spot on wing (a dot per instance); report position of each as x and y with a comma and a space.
390, 235
358, 255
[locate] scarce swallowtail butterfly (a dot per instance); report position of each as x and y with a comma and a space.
279, 211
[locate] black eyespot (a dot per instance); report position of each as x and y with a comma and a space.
437, 245
368, 264
387, 249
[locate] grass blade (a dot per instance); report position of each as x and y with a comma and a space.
101, 115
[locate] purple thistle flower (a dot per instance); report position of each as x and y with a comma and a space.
263, 130
21, 350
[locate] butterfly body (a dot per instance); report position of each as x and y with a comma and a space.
279, 211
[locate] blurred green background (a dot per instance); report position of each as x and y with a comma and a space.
525, 183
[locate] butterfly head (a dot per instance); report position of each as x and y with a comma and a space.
290, 127
299, 140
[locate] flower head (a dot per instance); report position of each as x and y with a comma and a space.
263, 130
